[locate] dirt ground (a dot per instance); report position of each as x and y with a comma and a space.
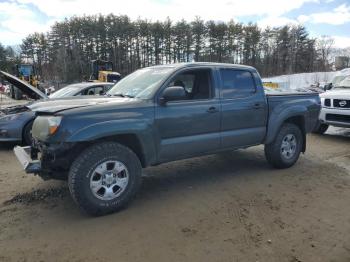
227, 207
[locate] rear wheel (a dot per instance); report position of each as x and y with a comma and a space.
284, 151
104, 178
320, 129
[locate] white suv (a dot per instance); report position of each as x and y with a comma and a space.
335, 106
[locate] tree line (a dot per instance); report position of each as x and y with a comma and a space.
8, 58
64, 53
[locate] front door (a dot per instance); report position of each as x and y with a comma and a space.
190, 126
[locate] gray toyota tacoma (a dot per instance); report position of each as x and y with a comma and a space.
161, 114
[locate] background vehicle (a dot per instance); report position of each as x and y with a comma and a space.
82, 89
102, 71
335, 106
26, 73
161, 114
340, 76
16, 121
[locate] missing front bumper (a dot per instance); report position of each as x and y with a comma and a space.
29, 165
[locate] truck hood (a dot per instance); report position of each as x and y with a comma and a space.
26, 88
57, 105
337, 93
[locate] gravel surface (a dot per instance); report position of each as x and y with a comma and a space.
38, 196
225, 207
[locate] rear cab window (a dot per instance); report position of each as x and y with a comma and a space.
236, 83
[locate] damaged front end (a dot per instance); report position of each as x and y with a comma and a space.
48, 162
28, 159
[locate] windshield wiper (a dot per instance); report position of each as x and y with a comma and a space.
123, 95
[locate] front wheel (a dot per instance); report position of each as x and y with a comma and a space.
27, 133
320, 129
284, 151
104, 178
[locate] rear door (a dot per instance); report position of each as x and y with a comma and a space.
191, 126
244, 108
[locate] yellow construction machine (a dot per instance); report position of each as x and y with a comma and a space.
102, 71
26, 72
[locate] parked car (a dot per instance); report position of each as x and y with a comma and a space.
340, 76
161, 114
335, 107
16, 121
82, 89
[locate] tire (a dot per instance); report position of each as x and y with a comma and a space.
320, 129
85, 171
27, 133
276, 153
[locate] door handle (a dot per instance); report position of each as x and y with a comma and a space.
212, 110
257, 106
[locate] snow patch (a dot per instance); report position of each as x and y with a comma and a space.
302, 80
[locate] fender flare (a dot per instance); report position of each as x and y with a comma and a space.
114, 128
277, 119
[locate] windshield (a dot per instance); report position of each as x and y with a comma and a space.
64, 92
337, 79
141, 84
344, 83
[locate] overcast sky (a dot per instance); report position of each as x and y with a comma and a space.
321, 17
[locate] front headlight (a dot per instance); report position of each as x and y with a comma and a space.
54, 123
45, 126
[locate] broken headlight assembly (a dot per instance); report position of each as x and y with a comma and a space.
45, 126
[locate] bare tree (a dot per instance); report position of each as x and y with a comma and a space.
324, 46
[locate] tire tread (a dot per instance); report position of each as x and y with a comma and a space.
272, 150
77, 177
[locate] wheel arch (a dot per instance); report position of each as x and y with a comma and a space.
137, 134
131, 141
295, 116
24, 126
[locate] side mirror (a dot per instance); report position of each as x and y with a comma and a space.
328, 86
173, 93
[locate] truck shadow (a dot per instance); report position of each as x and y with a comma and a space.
173, 178
7, 146
200, 171
335, 137
166, 178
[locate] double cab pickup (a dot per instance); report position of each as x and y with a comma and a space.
157, 115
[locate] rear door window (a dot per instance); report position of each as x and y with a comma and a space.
236, 83
94, 90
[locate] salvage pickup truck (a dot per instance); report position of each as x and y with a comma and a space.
161, 114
